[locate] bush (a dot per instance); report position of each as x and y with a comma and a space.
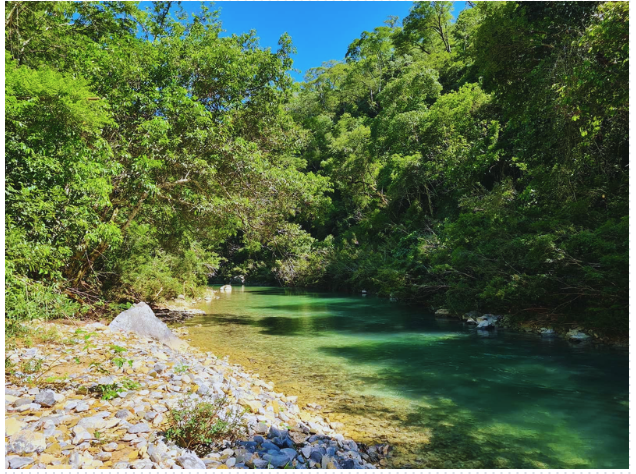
196, 424
27, 300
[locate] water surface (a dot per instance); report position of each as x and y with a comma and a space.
444, 394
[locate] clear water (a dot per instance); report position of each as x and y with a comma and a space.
443, 394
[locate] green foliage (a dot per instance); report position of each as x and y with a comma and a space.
180, 369
197, 424
481, 163
110, 391
489, 169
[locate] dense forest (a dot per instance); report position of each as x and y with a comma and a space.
471, 163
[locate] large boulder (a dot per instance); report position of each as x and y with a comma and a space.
141, 320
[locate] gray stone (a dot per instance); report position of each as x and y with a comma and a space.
151, 415
306, 450
260, 463
45, 398
230, 462
123, 414
315, 455
103, 456
25, 442
261, 428
159, 368
270, 446
485, 324
82, 406
276, 433
277, 460
139, 428
289, 452
190, 461
576, 335
141, 320
108, 380
110, 447
92, 423
16, 462
23, 402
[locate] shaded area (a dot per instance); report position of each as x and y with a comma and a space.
505, 407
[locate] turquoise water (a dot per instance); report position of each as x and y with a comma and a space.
444, 394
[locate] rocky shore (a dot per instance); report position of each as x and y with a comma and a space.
92, 397
489, 322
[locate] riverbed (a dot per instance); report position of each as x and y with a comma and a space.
443, 394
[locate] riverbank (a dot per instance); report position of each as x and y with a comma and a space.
83, 396
571, 332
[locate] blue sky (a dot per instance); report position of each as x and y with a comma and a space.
320, 30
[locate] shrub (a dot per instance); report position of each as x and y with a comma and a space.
27, 300
196, 424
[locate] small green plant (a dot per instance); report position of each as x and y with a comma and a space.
110, 391
128, 384
117, 349
197, 424
77, 360
99, 368
120, 362
56, 379
181, 369
32, 366
88, 345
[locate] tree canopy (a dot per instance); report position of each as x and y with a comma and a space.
473, 163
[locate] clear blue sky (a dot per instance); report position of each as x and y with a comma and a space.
320, 30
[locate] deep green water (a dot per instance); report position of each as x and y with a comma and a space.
445, 394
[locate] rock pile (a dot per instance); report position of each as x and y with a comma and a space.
99, 398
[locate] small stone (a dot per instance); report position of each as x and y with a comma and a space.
25, 442
12, 426
261, 428
230, 462
45, 398
277, 460
110, 447
123, 414
159, 368
92, 423
81, 407
16, 462
103, 456
190, 461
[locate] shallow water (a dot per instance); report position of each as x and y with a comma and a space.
443, 394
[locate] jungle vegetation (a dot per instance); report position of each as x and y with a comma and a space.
472, 163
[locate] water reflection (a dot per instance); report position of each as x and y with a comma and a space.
445, 394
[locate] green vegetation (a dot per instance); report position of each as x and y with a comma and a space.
196, 424
474, 164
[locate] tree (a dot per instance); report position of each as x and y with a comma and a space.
426, 24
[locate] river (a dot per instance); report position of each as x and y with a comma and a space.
443, 394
